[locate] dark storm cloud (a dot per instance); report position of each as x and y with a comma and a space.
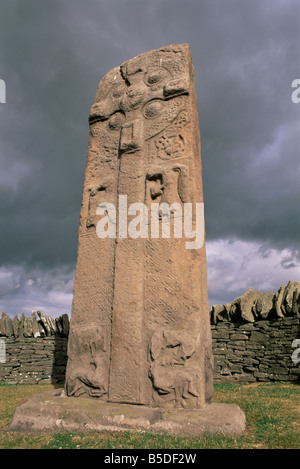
25, 289
54, 53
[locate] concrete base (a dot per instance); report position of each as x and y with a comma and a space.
52, 411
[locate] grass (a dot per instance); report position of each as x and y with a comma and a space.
272, 413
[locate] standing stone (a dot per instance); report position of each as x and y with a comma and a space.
140, 326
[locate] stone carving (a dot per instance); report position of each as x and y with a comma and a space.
88, 375
170, 145
175, 375
144, 143
168, 184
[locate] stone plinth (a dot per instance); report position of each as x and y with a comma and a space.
52, 411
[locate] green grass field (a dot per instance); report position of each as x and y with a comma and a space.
272, 412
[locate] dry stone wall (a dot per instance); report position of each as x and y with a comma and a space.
247, 347
259, 351
34, 349
34, 360
255, 334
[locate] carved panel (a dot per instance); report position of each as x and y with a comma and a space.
175, 379
97, 195
87, 372
167, 183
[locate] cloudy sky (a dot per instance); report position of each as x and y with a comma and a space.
246, 55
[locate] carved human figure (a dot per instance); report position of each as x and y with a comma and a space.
175, 375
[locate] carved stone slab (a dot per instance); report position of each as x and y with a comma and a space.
139, 330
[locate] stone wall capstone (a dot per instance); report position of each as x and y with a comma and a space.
255, 306
38, 325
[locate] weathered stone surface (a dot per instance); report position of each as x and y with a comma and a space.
219, 313
257, 336
27, 332
296, 301
286, 300
255, 306
264, 305
35, 327
64, 324
6, 325
16, 325
243, 307
53, 412
139, 330
44, 323
21, 325
28, 327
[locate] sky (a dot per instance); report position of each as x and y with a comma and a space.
53, 53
